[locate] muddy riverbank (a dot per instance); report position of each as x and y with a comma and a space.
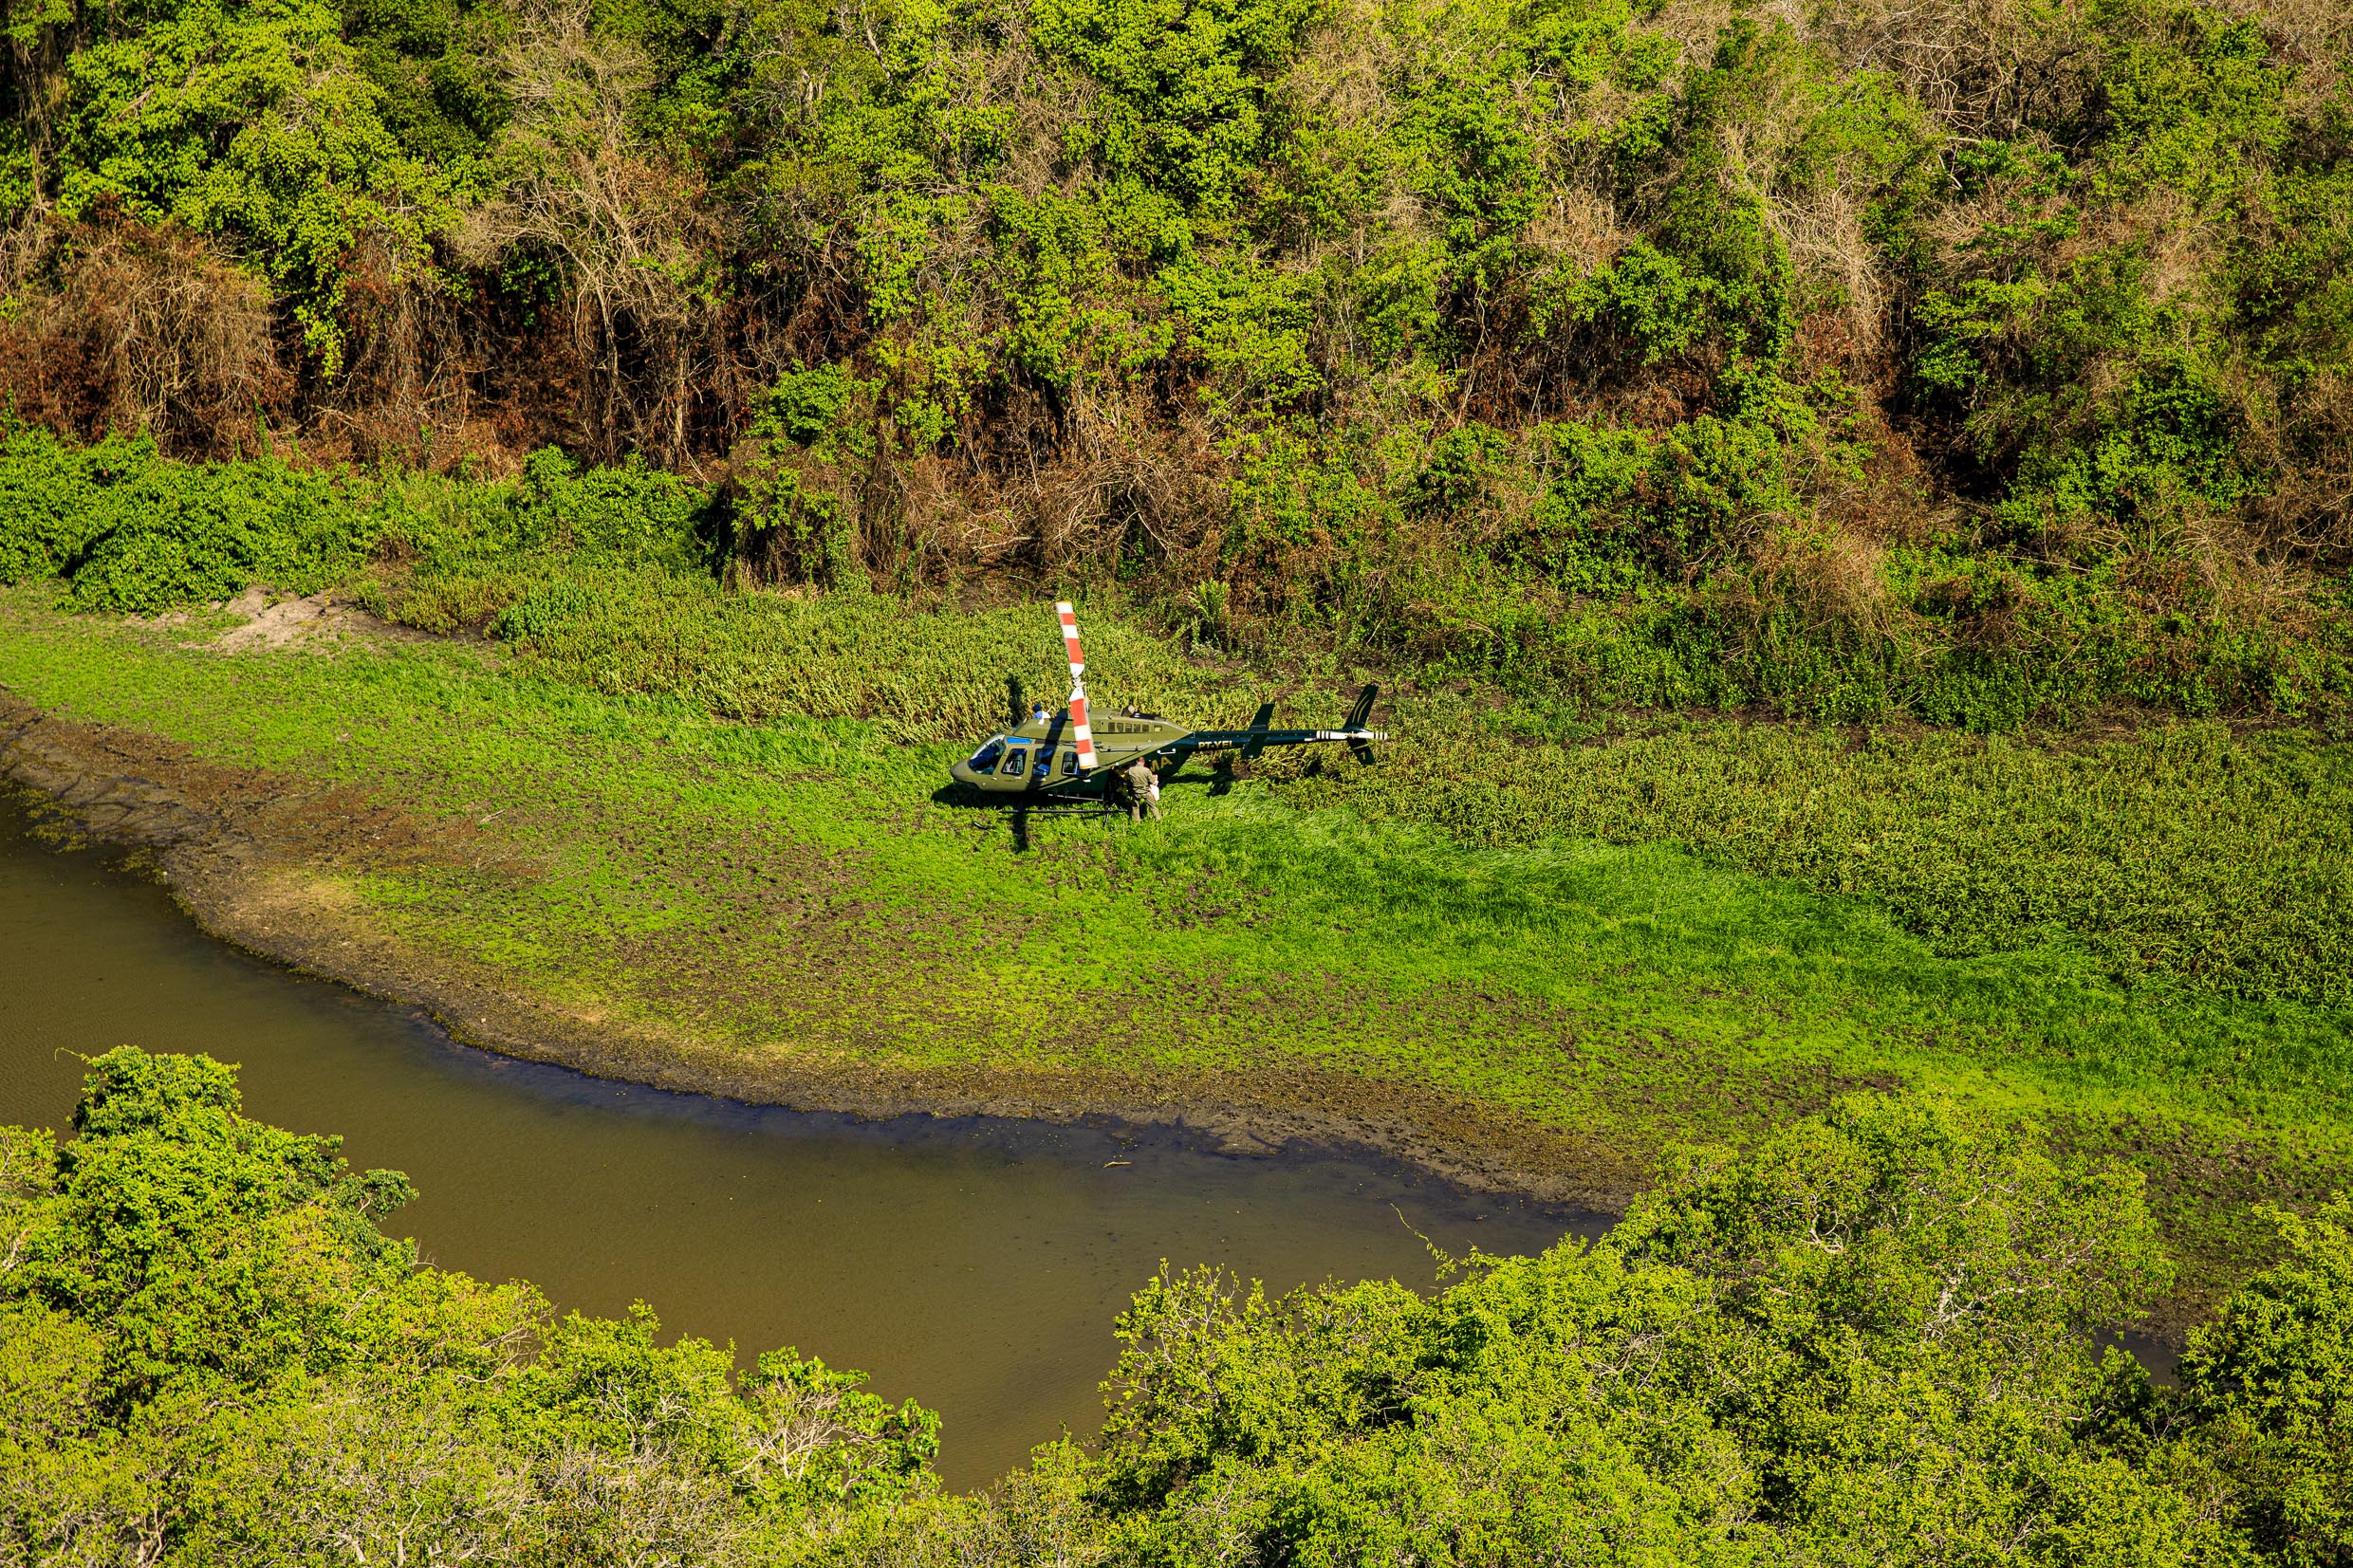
258, 858
977, 1265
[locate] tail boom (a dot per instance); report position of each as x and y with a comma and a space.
1250, 742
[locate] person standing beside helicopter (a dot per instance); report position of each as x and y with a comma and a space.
1143, 791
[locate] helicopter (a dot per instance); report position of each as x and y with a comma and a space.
1056, 756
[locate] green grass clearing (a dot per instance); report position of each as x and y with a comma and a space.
789, 887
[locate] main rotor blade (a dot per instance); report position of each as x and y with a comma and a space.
1082, 737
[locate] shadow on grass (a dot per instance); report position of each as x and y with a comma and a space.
1018, 810
1089, 802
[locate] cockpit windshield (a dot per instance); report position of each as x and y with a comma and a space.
985, 760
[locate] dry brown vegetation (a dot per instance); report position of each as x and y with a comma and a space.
1085, 338
145, 327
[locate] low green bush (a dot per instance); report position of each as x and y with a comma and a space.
48, 500
126, 529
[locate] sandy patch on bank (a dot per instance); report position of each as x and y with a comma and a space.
274, 621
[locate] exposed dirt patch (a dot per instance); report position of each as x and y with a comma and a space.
128, 787
275, 620
265, 860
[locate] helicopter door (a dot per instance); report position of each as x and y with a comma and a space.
1016, 767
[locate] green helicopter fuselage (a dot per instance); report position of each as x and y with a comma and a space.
1038, 757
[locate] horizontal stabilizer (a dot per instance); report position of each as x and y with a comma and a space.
1258, 728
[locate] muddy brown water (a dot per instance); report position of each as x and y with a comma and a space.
974, 1264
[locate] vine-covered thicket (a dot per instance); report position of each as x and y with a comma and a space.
1978, 360
1875, 1338
209, 1354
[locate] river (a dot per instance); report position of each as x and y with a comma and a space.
974, 1264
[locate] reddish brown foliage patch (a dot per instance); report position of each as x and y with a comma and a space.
144, 328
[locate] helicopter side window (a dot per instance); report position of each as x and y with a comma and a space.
1045, 762
1069, 763
985, 760
1017, 762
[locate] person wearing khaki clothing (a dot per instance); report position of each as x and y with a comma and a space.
1144, 792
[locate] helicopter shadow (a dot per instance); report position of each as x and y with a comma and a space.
956, 797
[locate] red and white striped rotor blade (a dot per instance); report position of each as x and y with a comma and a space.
1080, 736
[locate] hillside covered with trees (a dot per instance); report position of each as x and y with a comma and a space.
1979, 360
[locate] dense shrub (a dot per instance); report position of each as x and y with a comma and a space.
212, 1355
127, 529
1876, 1335
2269, 1383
